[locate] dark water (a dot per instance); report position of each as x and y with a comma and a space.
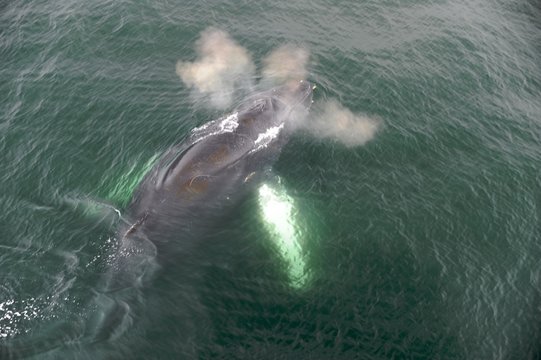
422, 244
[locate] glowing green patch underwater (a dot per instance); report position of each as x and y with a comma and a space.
124, 187
278, 212
106, 208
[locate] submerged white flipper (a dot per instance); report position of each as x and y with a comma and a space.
279, 214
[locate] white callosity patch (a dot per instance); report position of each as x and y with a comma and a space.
230, 123
264, 139
278, 213
224, 125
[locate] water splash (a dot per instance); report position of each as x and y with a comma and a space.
14, 314
333, 121
222, 66
287, 62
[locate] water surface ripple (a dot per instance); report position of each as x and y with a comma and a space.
422, 244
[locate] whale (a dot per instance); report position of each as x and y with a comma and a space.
215, 166
197, 182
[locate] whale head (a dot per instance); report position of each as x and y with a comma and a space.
272, 111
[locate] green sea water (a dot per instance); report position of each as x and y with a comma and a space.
424, 243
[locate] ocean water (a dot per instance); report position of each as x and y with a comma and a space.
422, 243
